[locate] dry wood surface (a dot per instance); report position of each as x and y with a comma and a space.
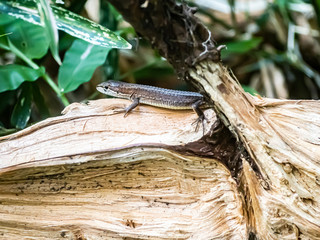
93, 174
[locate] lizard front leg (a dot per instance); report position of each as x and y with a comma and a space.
133, 105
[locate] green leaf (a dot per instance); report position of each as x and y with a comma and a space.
243, 46
157, 69
28, 38
67, 21
4, 131
109, 18
48, 20
250, 90
11, 76
240, 47
79, 63
22, 110
4, 43
21, 55
6, 19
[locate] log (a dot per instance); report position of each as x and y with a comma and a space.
277, 173
93, 174
283, 139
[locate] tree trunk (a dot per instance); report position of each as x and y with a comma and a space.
252, 172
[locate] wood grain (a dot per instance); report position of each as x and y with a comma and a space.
92, 174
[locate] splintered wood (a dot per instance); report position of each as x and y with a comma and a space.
283, 138
93, 174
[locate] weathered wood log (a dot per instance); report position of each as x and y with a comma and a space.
283, 139
280, 183
93, 174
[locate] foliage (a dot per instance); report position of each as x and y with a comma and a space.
28, 29
276, 51
79, 63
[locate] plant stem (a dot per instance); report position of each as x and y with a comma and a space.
56, 89
233, 15
21, 55
47, 78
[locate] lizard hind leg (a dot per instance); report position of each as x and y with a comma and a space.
198, 121
201, 118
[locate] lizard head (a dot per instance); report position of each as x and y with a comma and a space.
111, 88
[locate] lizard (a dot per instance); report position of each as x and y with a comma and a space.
154, 96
